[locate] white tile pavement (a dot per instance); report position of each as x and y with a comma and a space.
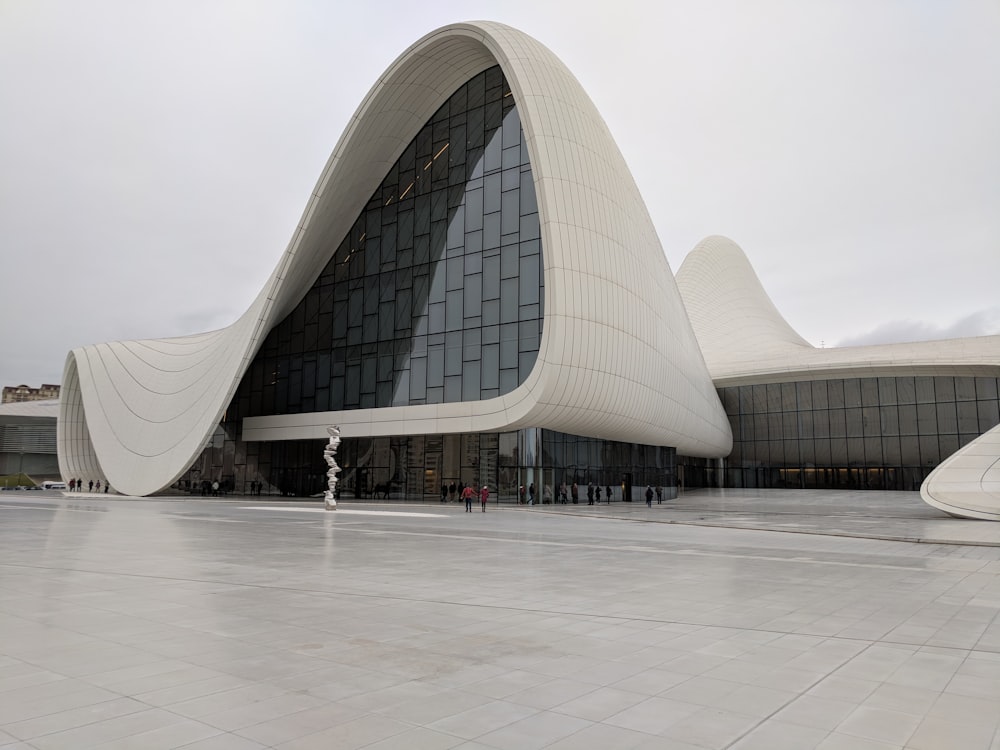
220, 626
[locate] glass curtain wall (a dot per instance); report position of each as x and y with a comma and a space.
858, 433
428, 468
436, 294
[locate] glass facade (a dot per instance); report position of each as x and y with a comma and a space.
417, 468
436, 294
857, 433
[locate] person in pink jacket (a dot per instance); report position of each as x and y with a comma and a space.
484, 495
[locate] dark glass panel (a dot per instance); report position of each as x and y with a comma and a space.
530, 280
947, 444
838, 452
965, 389
908, 420
819, 395
773, 397
986, 388
889, 420
822, 448
927, 419
925, 390
835, 393
887, 391
855, 451
968, 417
852, 392
788, 400
989, 415
803, 395
909, 450
525, 363
930, 454
947, 418
454, 310
855, 427
730, 400
508, 300
944, 389
508, 381
890, 451
869, 392
838, 423
790, 425
821, 423
759, 424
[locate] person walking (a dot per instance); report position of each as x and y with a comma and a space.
444, 492
649, 496
90, 486
597, 494
531, 494
590, 493
575, 493
659, 495
467, 496
484, 496
72, 485
608, 488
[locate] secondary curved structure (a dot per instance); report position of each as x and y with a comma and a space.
864, 416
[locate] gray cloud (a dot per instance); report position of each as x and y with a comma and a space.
982, 323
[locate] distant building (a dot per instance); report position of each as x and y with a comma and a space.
28, 438
15, 394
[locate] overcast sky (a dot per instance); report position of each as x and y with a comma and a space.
155, 156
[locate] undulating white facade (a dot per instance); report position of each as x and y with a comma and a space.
618, 359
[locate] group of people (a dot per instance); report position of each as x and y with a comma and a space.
526, 495
76, 485
649, 495
468, 493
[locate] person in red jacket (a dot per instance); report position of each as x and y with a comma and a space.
484, 495
467, 496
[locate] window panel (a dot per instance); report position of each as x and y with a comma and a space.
986, 389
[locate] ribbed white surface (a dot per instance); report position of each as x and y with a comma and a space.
746, 340
618, 359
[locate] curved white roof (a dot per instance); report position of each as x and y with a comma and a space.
746, 340
617, 360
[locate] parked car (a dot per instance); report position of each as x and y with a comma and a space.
54, 486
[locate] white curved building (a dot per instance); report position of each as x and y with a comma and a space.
475, 293
474, 260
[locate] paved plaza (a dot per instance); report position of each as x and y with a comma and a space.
745, 620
